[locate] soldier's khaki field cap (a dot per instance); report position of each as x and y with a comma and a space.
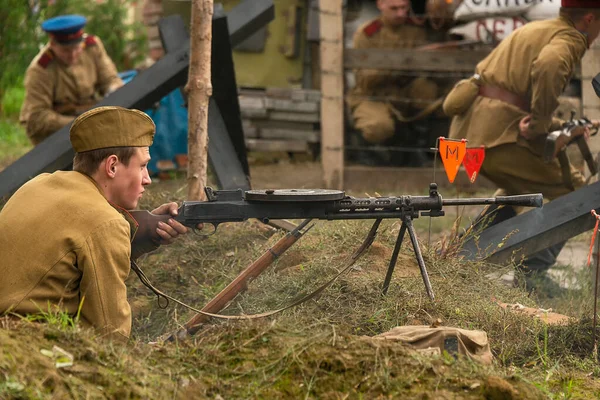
111, 126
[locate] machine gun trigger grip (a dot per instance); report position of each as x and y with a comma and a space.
200, 232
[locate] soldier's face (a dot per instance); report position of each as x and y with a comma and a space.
129, 181
394, 12
593, 31
68, 55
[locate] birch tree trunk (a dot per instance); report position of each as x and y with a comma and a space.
199, 89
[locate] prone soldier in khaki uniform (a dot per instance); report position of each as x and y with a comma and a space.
507, 106
68, 76
379, 96
66, 236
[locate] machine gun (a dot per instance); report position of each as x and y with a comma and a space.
237, 205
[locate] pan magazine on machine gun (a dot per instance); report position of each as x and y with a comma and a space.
264, 205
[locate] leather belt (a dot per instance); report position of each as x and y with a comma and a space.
494, 92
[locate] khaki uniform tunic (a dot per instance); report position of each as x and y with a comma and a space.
373, 117
535, 62
50, 84
63, 244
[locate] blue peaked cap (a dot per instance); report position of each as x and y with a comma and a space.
64, 24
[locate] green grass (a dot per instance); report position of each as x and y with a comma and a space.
13, 142
13, 139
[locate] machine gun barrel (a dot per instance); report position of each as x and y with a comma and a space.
524, 200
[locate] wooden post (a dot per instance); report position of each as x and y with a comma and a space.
590, 66
332, 92
199, 89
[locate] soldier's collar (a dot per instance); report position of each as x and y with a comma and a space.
133, 225
568, 21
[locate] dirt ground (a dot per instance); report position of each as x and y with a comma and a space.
285, 175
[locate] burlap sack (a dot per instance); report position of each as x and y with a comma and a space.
470, 343
461, 97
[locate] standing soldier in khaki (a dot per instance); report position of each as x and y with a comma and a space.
68, 76
66, 237
507, 106
378, 95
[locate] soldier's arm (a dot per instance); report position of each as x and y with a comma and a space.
108, 78
550, 74
104, 263
37, 115
367, 78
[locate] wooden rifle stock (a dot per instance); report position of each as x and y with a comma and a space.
240, 284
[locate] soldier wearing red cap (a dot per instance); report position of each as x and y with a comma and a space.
508, 105
69, 75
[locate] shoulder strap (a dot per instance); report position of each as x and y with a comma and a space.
373, 27
45, 59
90, 40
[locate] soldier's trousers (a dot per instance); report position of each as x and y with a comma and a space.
517, 170
375, 119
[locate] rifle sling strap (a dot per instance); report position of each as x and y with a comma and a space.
144, 279
427, 111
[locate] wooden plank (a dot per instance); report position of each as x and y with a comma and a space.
291, 125
279, 93
254, 112
410, 60
252, 102
293, 146
332, 91
289, 105
299, 117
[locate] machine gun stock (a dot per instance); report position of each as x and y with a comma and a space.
236, 206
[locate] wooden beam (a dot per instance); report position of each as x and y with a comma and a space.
332, 92
292, 146
538, 229
461, 61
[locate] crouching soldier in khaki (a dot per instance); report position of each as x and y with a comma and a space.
380, 98
66, 236
509, 103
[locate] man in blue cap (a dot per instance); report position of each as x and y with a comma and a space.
68, 76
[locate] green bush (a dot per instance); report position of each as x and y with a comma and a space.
21, 36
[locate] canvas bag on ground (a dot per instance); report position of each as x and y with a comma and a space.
471, 343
